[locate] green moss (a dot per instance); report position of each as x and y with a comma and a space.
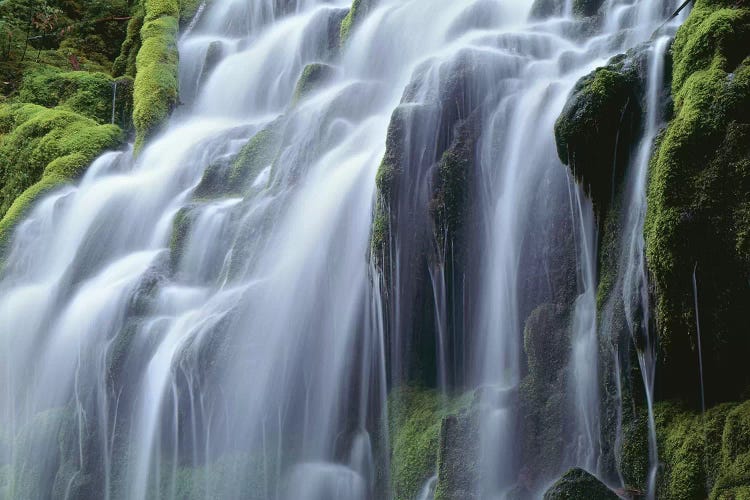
259, 152
577, 484
357, 12
702, 455
125, 62
156, 83
180, 232
188, 9
312, 77
697, 202
86, 93
586, 7
415, 417
733, 479
597, 121
42, 148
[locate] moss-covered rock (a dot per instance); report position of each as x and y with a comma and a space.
458, 456
415, 419
701, 455
357, 13
597, 128
40, 149
542, 404
87, 93
313, 76
156, 82
577, 484
697, 216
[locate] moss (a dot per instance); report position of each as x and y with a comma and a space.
577, 484
41, 149
86, 93
701, 455
311, 79
593, 130
697, 204
188, 9
156, 83
415, 418
733, 480
180, 231
124, 65
357, 12
450, 203
459, 455
586, 8
259, 152
547, 348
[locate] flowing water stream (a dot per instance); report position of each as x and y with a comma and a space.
159, 338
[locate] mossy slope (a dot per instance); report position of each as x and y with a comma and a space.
699, 205
41, 148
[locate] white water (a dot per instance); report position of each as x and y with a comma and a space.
258, 357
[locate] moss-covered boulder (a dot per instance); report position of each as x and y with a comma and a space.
698, 209
577, 484
415, 421
156, 81
599, 126
40, 149
313, 77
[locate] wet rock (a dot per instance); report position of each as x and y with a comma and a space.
577, 484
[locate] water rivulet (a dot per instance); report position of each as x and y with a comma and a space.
352, 263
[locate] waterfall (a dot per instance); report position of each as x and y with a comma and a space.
169, 331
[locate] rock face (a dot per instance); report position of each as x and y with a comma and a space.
577, 484
698, 209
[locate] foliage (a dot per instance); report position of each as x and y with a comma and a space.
42, 148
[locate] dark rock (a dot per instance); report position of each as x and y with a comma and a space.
577, 484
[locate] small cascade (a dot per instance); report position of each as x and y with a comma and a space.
428, 490
114, 100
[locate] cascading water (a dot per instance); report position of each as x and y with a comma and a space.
167, 333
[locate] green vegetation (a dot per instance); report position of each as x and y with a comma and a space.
156, 87
598, 118
312, 77
577, 484
40, 149
698, 208
356, 13
704, 456
415, 418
